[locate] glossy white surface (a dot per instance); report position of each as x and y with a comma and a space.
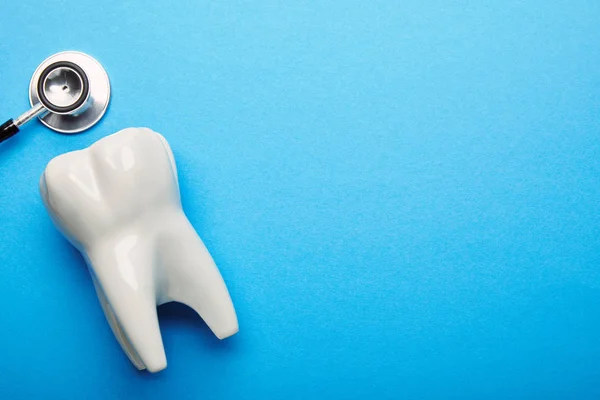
118, 203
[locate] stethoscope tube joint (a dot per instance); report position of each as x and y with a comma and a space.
8, 130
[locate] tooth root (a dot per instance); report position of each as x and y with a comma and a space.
126, 291
192, 278
116, 327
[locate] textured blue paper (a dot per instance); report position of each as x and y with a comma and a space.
402, 196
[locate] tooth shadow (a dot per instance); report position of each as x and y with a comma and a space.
172, 314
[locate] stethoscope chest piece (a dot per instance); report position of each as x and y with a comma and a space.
69, 92
74, 88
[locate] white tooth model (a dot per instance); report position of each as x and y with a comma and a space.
118, 203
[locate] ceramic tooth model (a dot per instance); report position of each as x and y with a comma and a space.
118, 203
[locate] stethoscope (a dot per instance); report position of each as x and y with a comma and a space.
69, 92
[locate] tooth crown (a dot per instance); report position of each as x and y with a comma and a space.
118, 202
93, 189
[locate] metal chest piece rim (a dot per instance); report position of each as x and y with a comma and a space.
96, 102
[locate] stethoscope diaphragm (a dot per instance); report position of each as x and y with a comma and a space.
69, 92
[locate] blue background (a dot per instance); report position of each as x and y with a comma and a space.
402, 196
